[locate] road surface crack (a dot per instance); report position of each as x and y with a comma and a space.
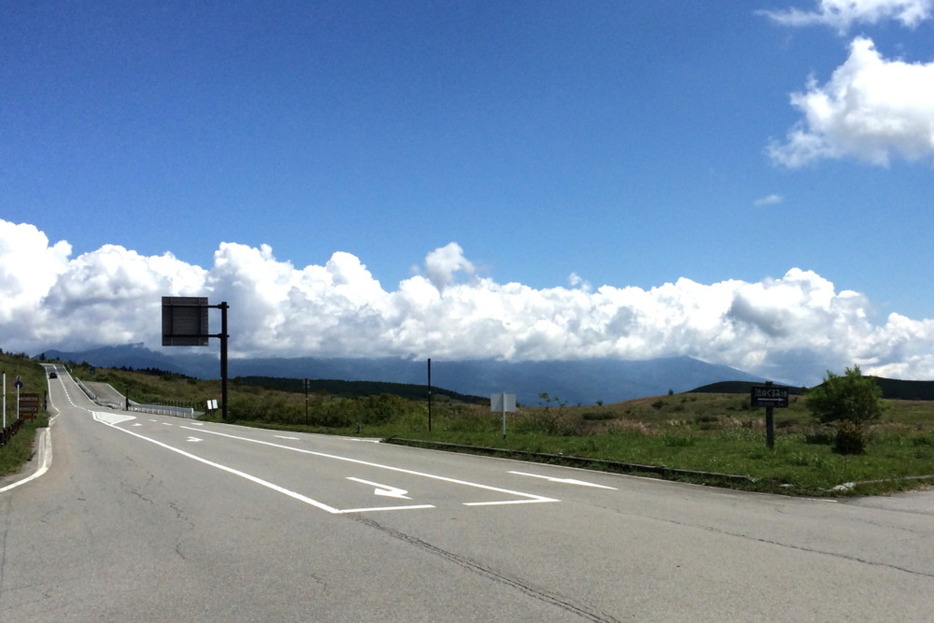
535, 592
800, 548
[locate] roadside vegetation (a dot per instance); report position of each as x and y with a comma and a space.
704, 435
20, 447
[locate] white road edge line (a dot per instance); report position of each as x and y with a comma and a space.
45, 457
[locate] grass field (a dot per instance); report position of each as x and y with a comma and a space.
20, 448
699, 432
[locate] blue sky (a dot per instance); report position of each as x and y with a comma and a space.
558, 144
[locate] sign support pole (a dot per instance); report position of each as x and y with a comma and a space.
504, 415
768, 396
223, 336
503, 402
429, 394
769, 424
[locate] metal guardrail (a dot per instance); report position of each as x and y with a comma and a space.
86, 390
184, 412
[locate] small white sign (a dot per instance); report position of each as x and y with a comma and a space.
501, 403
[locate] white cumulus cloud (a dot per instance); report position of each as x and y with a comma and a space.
769, 200
872, 109
790, 328
843, 14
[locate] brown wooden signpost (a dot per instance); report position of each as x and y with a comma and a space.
768, 396
28, 406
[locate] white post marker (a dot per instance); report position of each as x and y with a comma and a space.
503, 402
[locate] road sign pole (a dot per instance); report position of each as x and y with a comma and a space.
768, 396
4, 400
769, 429
769, 424
223, 307
429, 394
504, 415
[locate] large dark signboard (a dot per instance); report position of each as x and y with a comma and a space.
185, 321
28, 405
768, 396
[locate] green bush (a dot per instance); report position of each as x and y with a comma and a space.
850, 438
849, 398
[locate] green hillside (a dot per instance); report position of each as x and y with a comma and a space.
351, 389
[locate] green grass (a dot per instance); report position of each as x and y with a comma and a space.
20, 449
700, 432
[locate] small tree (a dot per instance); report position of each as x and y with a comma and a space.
851, 402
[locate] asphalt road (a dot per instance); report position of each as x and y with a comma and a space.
154, 518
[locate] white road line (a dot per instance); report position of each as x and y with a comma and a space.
506, 502
531, 497
373, 509
566, 481
384, 490
235, 472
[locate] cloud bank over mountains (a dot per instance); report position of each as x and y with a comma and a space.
791, 328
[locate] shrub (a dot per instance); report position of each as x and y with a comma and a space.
849, 398
850, 438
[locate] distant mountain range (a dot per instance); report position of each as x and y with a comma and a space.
575, 382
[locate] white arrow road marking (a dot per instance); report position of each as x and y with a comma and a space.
384, 490
529, 498
566, 481
194, 439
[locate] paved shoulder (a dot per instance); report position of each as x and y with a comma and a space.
909, 501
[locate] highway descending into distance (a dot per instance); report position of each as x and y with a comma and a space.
155, 518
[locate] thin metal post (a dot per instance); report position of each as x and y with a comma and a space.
503, 401
223, 307
769, 425
429, 394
